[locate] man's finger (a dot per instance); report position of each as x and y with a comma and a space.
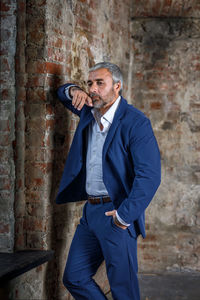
77, 102
110, 213
79, 107
76, 97
89, 101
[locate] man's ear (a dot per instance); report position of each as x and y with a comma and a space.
118, 86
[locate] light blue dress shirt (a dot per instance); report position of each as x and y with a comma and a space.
96, 138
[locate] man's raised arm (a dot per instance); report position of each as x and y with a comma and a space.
73, 97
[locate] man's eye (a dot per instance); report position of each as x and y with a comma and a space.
100, 83
89, 84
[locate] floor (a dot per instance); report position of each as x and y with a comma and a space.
176, 286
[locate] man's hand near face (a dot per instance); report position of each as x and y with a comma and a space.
79, 98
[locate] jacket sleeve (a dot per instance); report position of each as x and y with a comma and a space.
146, 159
66, 101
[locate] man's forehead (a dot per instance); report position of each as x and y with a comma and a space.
99, 74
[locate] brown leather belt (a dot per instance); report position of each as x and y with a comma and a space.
98, 200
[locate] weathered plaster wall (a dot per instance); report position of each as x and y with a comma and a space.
7, 119
166, 86
57, 41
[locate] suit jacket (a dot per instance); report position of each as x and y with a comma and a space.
131, 162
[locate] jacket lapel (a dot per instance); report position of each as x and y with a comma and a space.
86, 119
116, 121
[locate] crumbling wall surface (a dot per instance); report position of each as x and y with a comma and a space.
7, 119
88, 32
57, 41
166, 86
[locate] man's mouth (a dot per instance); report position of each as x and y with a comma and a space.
94, 97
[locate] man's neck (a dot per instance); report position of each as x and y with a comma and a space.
104, 109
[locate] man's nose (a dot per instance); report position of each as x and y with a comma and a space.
93, 88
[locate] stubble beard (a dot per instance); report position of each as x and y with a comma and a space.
100, 102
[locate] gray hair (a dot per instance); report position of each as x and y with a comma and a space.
113, 69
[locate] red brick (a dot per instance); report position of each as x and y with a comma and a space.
44, 67
54, 68
39, 155
36, 209
93, 4
44, 167
4, 169
5, 65
155, 105
4, 228
21, 94
36, 80
21, 79
83, 23
36, 37
35, 138
20, 244
36, 67
35, 240
4, 154
35, 124
56, 55
49, 109
35, 195
21, 7
5, 183
34, 182
41, 3
4, 6
4, 125
34, 224
89, 16
197, 66
50, 124
55, 81
57, 42
139, 75
5, 139
73, 125
20, 64
36, 94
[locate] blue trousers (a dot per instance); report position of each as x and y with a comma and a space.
97, 238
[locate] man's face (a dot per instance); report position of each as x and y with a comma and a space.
101, 88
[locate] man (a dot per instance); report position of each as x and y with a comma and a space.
114, 163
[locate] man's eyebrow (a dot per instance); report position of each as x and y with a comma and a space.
98, 79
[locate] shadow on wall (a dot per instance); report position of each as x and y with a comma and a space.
156, 34
166, 88
60, 227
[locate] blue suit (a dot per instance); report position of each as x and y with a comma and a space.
131, 174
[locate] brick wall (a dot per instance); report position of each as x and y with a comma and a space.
156, 43
166, 76
57, 41
7, 119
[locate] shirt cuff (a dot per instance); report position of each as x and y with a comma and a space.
121, 221
67, 94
